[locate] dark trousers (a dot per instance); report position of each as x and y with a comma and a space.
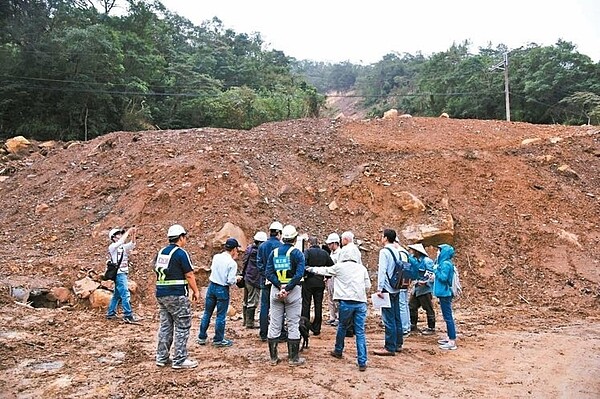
425, 302
312, 293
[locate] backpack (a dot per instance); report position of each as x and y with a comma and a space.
112, 268
403, 272
455, 286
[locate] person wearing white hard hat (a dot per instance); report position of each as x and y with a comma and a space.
285, 269
262, 255
121, 244
251, 279
421, 296
333, 242
174, 278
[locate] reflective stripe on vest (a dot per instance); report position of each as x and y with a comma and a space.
162, 263
282, 265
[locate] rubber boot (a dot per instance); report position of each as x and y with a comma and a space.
273, 351
245, 316
293, 350
431, 322
250, 318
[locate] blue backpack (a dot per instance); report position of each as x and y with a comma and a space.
403, 272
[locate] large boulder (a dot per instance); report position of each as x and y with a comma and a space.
100, 298
17, 145
84, 287
229, 230
439, 229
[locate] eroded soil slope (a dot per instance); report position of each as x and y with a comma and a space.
526, 232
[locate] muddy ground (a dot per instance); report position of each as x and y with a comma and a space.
526, 229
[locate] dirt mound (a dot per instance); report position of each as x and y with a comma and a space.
526, 217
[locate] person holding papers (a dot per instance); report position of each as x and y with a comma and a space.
390, 316
352, 283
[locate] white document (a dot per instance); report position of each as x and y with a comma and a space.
381, 302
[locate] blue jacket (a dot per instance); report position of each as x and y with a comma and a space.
424, 264
264, 250
296, 271
444, 271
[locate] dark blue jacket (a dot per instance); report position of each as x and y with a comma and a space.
264, 250
297, 268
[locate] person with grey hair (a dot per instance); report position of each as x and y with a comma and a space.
348, 244
313, 285
352, 283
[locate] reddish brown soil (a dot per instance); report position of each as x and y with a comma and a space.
526, 235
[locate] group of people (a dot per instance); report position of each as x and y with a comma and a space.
286, 280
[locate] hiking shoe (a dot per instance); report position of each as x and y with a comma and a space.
448, 346
131, 319
442, 341
428, 331
223, 344
335, 354
186, 364
384, 352
111, 317
362, 368
201, 341
163, 363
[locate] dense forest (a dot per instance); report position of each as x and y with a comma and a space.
547, 84
75, 69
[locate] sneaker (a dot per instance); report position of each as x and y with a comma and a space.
406, 334
428, 331
362, 368
201, 341
448, 346
223, 344
442, 341
163, 363
187, 364
335, 354
130, 319
111, 317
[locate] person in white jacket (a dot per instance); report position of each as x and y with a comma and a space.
352, 283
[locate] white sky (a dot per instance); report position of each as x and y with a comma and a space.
364, 31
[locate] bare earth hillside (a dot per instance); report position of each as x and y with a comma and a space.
526, 229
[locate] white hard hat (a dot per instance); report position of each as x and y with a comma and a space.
115, 231
260, 236
275, 226
333, 237
176, 230
289, 232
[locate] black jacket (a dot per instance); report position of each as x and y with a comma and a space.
315, 257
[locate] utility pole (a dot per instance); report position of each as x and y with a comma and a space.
503, 66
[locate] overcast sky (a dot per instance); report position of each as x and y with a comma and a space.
364, 31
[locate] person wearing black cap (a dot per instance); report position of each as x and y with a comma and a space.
223, 274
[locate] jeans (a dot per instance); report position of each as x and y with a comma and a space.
393, 324
446, 305
216, 296
354, 314
265, 304
404, 311
120, 294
